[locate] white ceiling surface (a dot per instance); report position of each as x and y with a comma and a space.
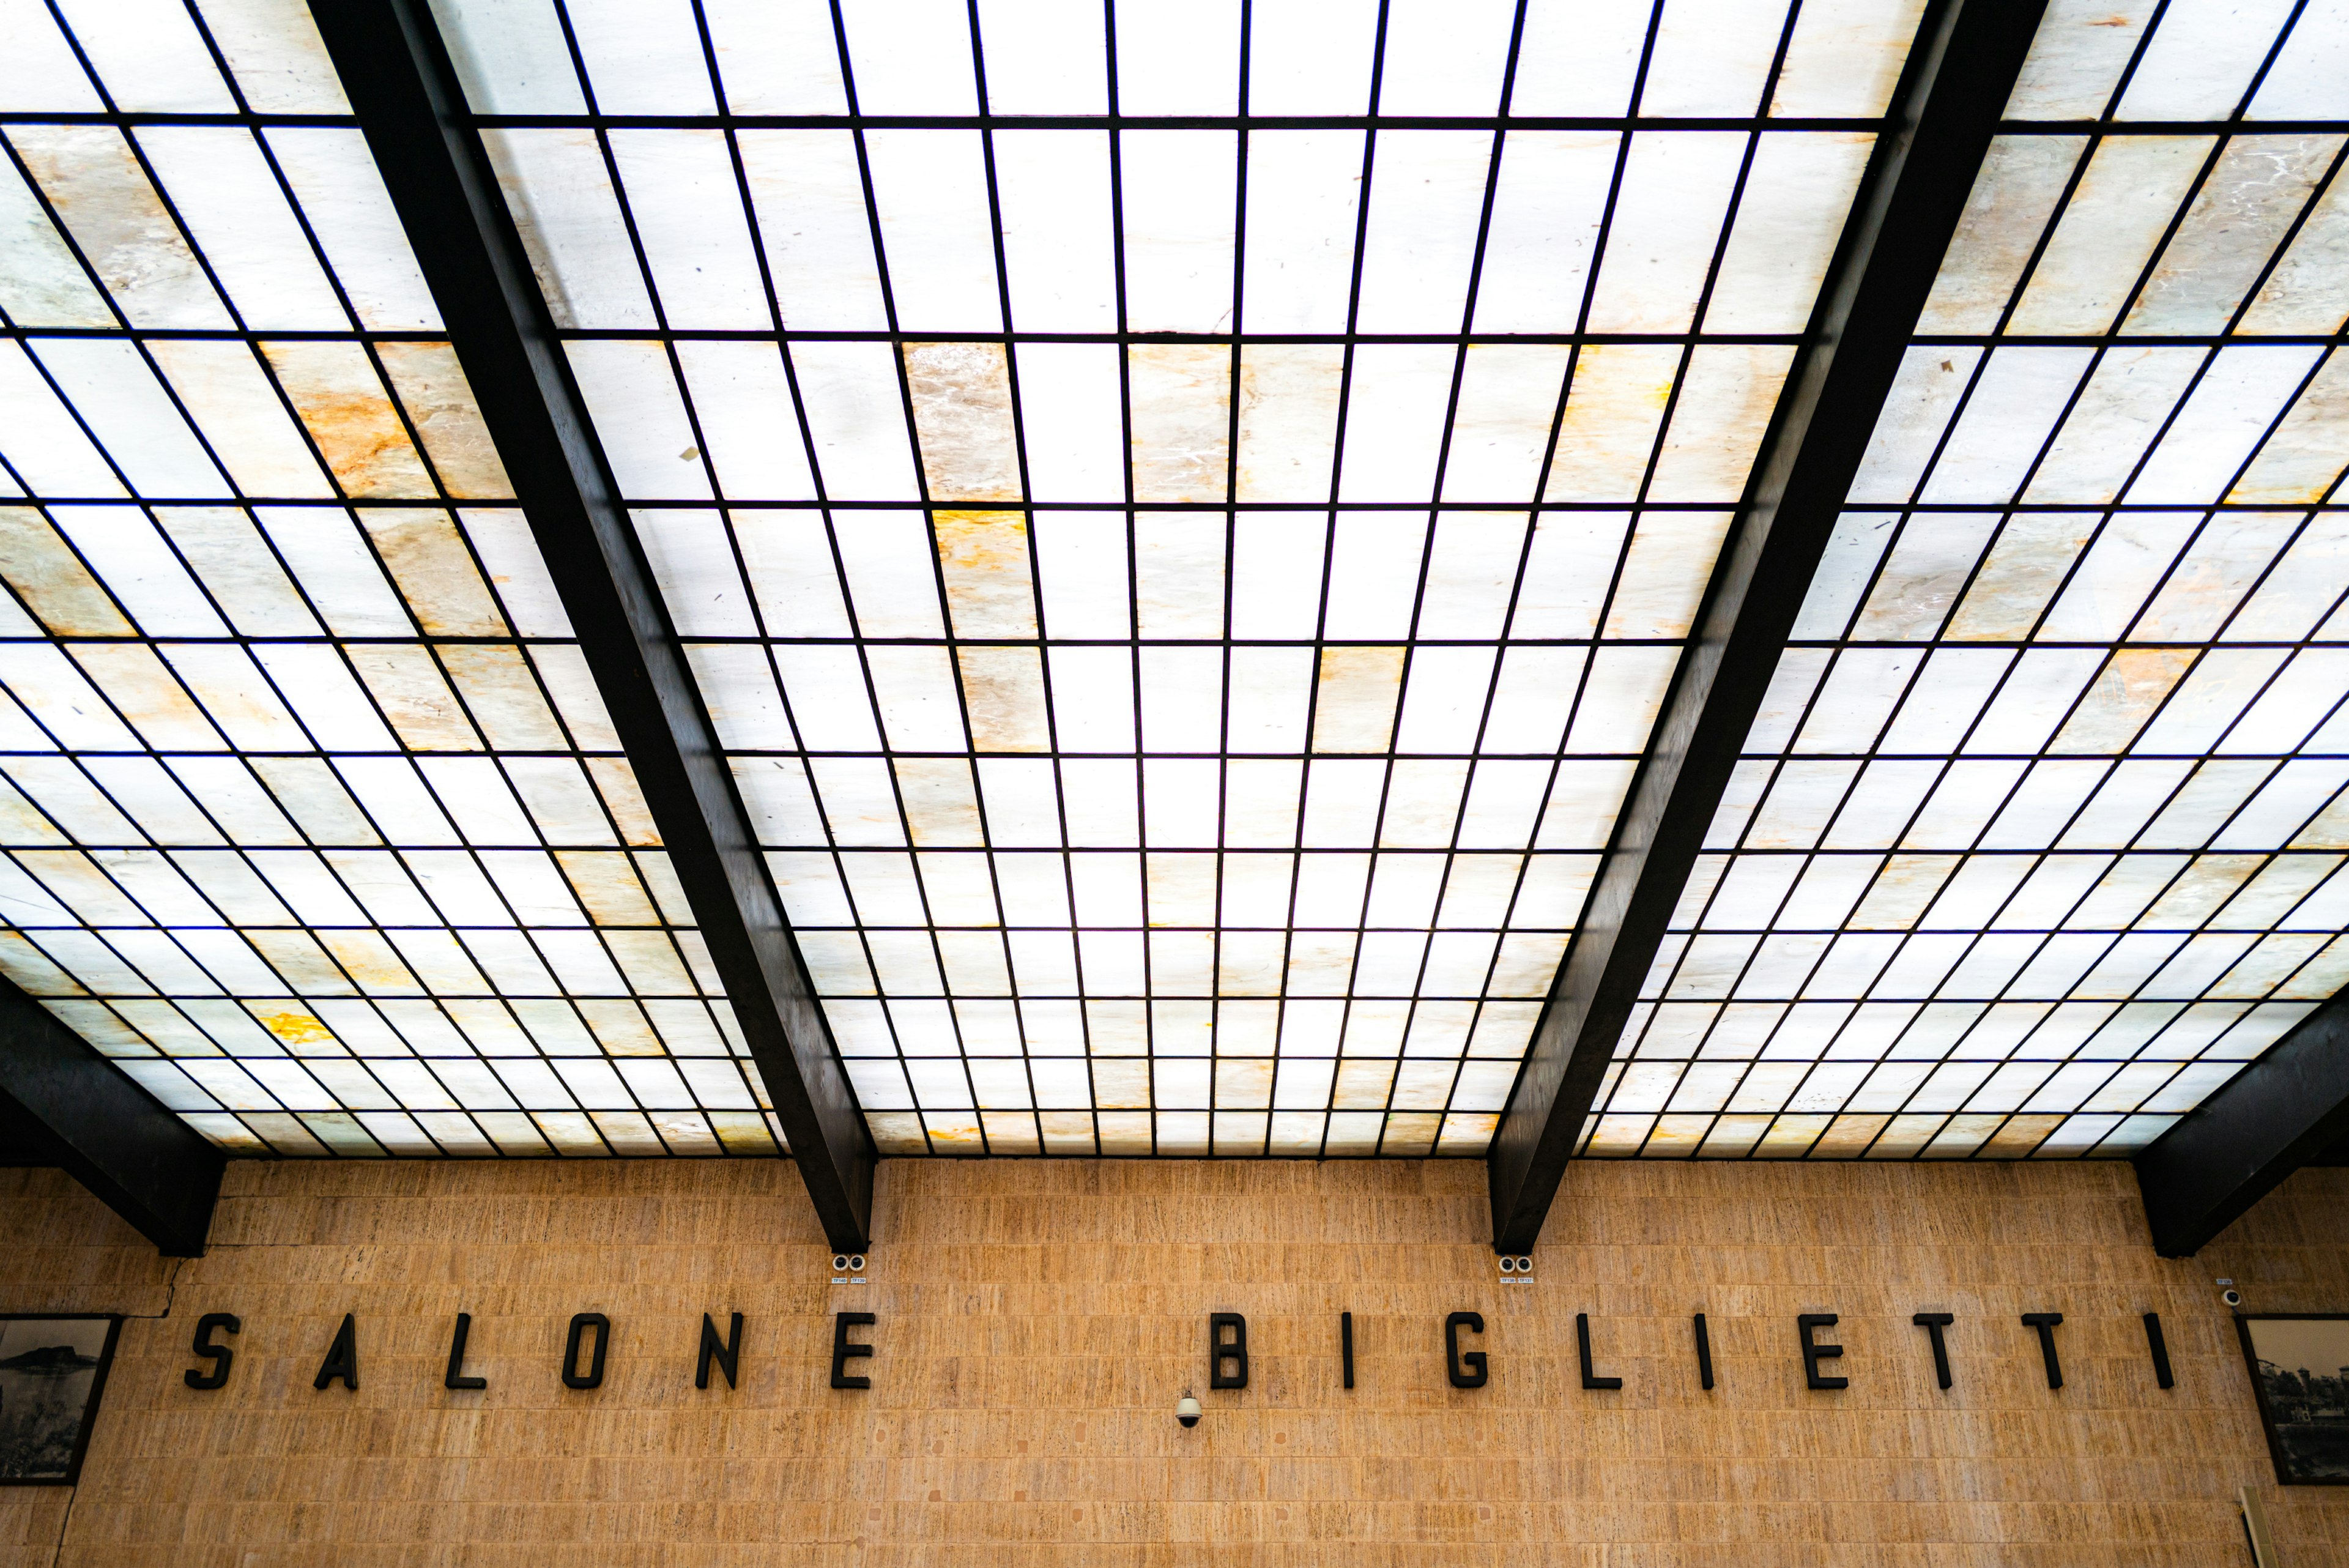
1183, 574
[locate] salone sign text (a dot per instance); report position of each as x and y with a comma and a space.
588, 1342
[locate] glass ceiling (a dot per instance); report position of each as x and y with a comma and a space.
315, 823
1183, 530
1108, 549
2035, 841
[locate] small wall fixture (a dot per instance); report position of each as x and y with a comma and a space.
1186, 1409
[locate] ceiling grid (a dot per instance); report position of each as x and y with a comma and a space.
1130, 845
1183, 518
2033, 844
319, 826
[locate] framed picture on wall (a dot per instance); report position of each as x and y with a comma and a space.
52, 1371
2300, 1367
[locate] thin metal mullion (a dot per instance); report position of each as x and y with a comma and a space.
1150, 337
2318, 191
921, 478
1484, 714
251, 338
81, 57
1035, 593
2187, 859
962, 696
2108, 125
1084, 999
829, 847
246, 120
2089, 147
2137, 56
1598, 251
1231, 561
1134, 603
245, 640
18, 333
2267, 63
690, 403
292, 201
1365, 196
1729, 994
1115, 120
231, 334
1305, 767
2261, 579
2112, 335
2118, 338
1921, 508
821, 508
1680, 382
1541, 486
652, 292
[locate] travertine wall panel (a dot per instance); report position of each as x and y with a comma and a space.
1038, 1319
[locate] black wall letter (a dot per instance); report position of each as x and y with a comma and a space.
219, 1355
1813, 1353
842, 1349
1934, 1323
342, 1357
579, 1324
725, 1354
1704, 1354
1221, 1350
455, 1377
1346, 1344
2045, 1322
1582, 1343
2153, 1342
1467, 1371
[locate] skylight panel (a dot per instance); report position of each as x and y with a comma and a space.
1069, 614
1982, 888
1183, 603
293, 730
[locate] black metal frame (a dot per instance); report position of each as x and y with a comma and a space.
2283, 1111
82, 1113
1958, 77
2243, 1321
396, 71
89, 1418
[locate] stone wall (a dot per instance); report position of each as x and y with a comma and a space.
1038, 1319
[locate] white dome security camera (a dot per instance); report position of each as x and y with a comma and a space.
1186, 1409
840, 1263
2233, 1298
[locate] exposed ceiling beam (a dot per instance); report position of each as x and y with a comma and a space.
2288, 1109
1958, 78
67, 1106
396, 72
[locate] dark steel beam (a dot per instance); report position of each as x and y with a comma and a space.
396, 71
1958, 77
2288, 1109
63, 1104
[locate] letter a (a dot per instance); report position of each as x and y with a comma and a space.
342, 1357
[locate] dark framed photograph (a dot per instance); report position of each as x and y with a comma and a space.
52, 1371
2300, 1367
